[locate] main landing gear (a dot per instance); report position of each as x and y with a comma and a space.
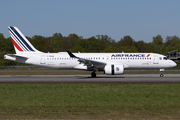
161, 74
93, 74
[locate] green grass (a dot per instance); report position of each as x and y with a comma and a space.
93, 101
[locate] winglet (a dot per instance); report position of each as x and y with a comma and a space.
70, 54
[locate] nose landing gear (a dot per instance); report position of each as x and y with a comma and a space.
161, 74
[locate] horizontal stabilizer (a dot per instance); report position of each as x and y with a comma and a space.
15, 56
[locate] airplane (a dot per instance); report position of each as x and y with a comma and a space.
110, 63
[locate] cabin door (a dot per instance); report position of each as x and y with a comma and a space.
43, 59
155, 60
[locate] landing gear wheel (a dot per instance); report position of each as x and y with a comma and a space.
93, 74
161, 75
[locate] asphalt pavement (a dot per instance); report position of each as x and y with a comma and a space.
127, 78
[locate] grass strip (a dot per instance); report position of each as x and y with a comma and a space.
89, 101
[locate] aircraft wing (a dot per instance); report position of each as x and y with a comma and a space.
87, 62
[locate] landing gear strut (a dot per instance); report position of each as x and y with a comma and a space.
93, 74
161, 74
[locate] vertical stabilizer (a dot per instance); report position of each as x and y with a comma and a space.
20, 42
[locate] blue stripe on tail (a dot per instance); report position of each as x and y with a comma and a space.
21, 39
21, 44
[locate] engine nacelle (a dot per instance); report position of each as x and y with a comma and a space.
114, 69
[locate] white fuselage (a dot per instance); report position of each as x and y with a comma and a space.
110, 63
62, 60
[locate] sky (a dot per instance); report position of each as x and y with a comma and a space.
140, 19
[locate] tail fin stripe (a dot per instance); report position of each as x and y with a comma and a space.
16, 45
22, 39
18, 42
14, 37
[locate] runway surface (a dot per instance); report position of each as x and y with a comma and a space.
130, 78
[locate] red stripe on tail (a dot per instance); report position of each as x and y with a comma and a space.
16, 45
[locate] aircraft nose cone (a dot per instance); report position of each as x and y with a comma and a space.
173, 64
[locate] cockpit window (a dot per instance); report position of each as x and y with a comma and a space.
164, 58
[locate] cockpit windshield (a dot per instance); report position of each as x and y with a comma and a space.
165, 58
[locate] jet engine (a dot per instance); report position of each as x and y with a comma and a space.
114, 69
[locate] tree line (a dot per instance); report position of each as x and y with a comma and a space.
98, 43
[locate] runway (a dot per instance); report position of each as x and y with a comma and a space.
128, 78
